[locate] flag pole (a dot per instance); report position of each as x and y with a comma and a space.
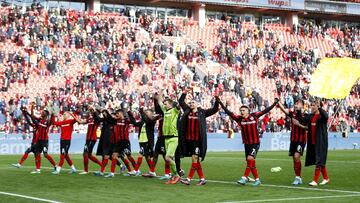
341, 103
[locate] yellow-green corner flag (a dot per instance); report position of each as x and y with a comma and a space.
334, 77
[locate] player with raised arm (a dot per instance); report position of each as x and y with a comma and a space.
120, 143
248, 122
297, 136
34, 140
193, 136
317, 148
93, 121
170, 132
42, 126
160, 142
67, 127
146, 138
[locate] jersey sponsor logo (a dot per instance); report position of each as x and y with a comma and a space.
167, 114
313, 124
120, 123
91, 123
247, 123
65, 125
193, 117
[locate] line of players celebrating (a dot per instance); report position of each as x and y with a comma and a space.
180, 135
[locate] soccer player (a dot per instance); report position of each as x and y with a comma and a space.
248, 122
104, 146
193, 129
34, 140
146, 138
42, 126
316, 153
93, 122
120, 143
160, 142
298, 136
67, 127
170, 132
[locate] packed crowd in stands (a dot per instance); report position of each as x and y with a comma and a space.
124, 61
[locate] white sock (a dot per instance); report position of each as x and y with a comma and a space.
298, 177
73, 168
58, 169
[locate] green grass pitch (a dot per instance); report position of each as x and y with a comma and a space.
222, 170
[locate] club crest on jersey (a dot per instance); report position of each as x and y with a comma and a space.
251, 118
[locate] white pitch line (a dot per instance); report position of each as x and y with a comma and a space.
28, 197
272, 159
293, 199
262, 185
292, 187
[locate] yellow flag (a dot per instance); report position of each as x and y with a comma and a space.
334, 77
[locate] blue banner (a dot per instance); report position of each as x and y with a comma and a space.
17, 144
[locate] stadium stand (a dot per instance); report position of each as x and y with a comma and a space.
70, 58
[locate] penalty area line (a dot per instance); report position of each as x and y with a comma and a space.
28, 197
294, 199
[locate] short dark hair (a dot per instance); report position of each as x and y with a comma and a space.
246, 107
46, 111
168, 100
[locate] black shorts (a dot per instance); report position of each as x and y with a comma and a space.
42, 146
64, 146
193, 147
115, 148
124, 147
89, 146
32, 148
296, 147
146, 149
160, 146
251, 150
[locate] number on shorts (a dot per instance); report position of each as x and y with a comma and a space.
253, 152
299, 149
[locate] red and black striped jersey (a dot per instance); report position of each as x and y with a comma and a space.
313, 128
120, 131
92, 128
249, 125
249, 128
193, 130
43, 129
298, 134
35, 137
